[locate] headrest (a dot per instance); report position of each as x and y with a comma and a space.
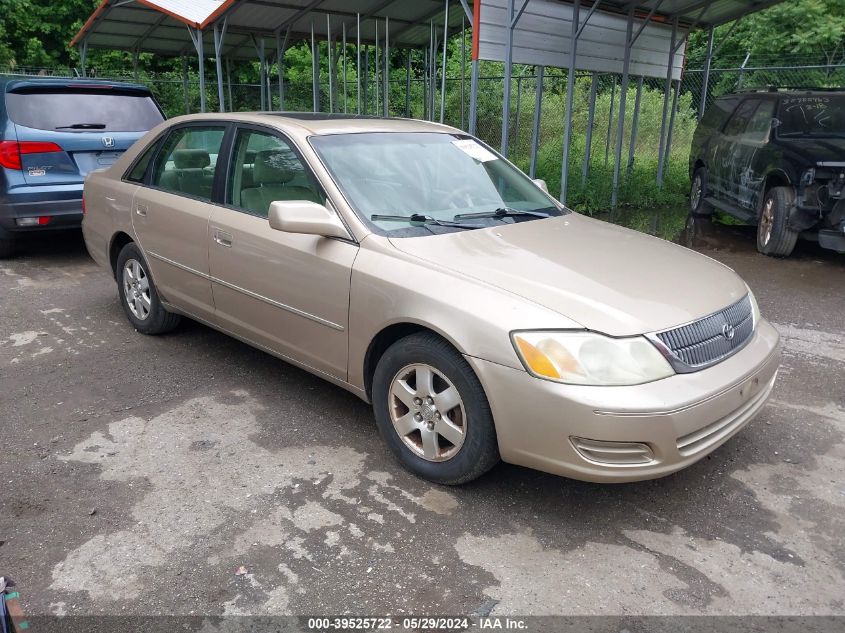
274, 166
191, 158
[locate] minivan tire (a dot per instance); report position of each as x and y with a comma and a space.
698, 192
774, 237
157, 320
479, 451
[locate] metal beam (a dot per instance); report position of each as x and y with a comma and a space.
219, 36
705, 79
506, 100
670, 67
632, 146
443, 72
570, 92
535, 128
588, 141
196, 38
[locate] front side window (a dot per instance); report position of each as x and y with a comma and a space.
185, 164
429, 182
760, 123
266, 169
739, 120
816, 116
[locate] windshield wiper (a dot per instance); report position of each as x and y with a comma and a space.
502, 212
83, 126
423, 219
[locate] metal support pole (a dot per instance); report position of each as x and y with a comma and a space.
196, 38
345, 100
623, 95
219, 36
705, 80
376, 66
634, 125
408, 85
671, 127
229, 83
386, 90
315, 74
588, 141
570, 93
506, 101
666, 94
184, 84
366, 71
535, 130
358, 64
443, 72
261, 76
610, 121
473, 97
83, 56
135, 54
463, 69
281, 48
329, 53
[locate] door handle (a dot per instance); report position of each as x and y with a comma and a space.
141, 209
223, 238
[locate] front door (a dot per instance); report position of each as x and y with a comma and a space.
170, 215
284, 291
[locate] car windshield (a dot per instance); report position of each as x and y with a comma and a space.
818, 116
406, 184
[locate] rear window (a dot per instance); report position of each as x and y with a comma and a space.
75, 111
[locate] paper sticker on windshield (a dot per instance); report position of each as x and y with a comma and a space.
474, 149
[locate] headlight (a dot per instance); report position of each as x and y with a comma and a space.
586, 358
755, 309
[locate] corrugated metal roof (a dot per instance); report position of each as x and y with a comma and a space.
158, 26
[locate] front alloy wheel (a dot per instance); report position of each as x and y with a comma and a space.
774, 237
432, 411
427, 412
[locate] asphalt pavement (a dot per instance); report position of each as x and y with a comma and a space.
192, 474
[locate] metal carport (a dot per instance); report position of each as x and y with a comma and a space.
630, 38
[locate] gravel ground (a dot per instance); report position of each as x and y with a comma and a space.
191, 474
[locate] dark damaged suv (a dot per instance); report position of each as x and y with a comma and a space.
776, 159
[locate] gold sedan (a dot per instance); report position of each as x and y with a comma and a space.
412, 265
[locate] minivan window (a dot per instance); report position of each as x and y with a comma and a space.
73, 110
739, 120
761, 122
718, 113
186, 162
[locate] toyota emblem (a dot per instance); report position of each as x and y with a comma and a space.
728, 331
108, 141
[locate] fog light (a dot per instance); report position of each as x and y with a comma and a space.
614, 453
39, 221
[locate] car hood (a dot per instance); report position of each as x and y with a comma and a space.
605, 277
817, 150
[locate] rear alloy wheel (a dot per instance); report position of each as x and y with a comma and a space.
774, 237
432, 411
698, 192
138, 295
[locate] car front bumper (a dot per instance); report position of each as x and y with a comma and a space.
628, 433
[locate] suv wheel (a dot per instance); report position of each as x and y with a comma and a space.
774, 237
698, 191
138, 294
432, 411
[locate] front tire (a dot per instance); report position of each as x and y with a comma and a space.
432, 411
138, 294
698, 192
774, 237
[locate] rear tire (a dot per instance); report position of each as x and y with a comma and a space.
698, 192
7, 248
774, 237
138, 294
432, 411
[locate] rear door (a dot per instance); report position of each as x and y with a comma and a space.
726, 150
84, 127
170, 215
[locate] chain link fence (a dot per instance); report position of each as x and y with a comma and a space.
592, 153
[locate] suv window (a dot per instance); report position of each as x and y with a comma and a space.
719, 112
741, 117
760, 123
265, 169
74, 110
186, 162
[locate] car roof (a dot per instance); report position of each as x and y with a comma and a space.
316, 123
9, 84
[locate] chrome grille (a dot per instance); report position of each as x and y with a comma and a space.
711, 339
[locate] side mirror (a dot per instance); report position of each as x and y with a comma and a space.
541, 183
305, 217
